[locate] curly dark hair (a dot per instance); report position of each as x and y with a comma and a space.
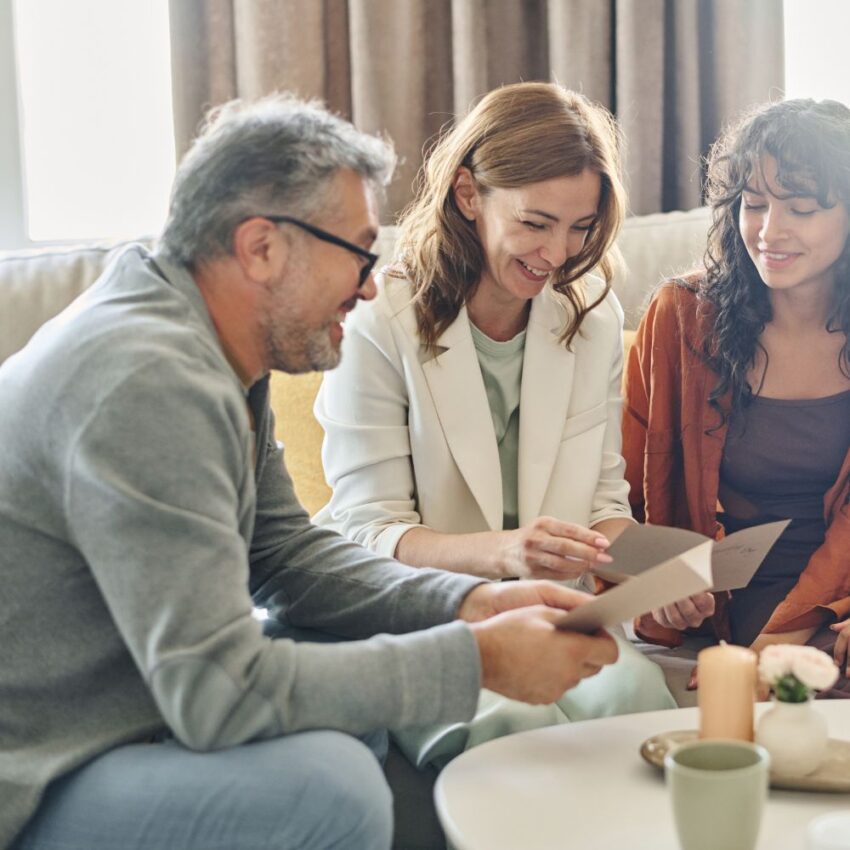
810, 142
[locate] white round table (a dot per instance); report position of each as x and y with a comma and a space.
584, 786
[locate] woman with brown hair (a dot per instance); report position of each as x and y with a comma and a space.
738, 386
474, 422
472, 425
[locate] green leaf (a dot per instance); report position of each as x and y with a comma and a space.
790, 689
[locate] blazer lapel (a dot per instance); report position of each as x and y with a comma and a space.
547, 379
457, 389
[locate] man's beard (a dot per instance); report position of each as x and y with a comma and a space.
296, 349
290, 345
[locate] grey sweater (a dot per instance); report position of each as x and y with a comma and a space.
135, 528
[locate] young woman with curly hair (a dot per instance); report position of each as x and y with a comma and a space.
738, 386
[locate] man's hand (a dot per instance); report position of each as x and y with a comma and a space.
496, 597
524, 656
686, 613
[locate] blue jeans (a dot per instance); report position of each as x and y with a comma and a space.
316, 790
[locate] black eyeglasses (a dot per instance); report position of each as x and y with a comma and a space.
368, 256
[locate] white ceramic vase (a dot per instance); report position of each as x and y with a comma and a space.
794, 733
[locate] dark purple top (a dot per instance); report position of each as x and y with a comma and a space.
780, 458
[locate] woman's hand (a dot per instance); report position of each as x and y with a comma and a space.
839, 653
686, 613
551, 549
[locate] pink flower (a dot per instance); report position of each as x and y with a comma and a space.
775, 662
812, 667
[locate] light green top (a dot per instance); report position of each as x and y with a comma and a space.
501, 368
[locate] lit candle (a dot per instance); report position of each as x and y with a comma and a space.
727, 690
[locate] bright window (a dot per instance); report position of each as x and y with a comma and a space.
817, 59
96, 133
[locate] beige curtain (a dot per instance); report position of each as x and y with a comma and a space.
673, 71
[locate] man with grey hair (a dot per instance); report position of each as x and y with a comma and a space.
145, 508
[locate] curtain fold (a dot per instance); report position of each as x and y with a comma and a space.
581, 47
203, 63
401, 77
673, 71
497, 42
300, 45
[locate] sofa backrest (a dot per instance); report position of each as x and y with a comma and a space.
655, 248
35, 286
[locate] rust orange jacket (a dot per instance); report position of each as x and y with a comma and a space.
673, 447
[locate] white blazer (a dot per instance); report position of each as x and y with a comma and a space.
409, 437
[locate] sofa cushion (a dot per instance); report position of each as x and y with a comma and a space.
292, 399
36, 285
654, 248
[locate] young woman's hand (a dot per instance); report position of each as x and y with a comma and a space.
551, 549
686, 613
839, 653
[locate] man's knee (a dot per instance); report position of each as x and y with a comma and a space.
352, 793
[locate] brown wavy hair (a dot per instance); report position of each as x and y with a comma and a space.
516, 135
810, 142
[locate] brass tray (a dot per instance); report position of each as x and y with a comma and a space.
833, 775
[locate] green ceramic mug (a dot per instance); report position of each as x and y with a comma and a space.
718, 789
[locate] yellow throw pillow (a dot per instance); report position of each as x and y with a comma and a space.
292, 398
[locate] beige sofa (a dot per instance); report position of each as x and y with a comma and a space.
36, 285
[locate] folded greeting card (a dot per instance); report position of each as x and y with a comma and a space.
655, 565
